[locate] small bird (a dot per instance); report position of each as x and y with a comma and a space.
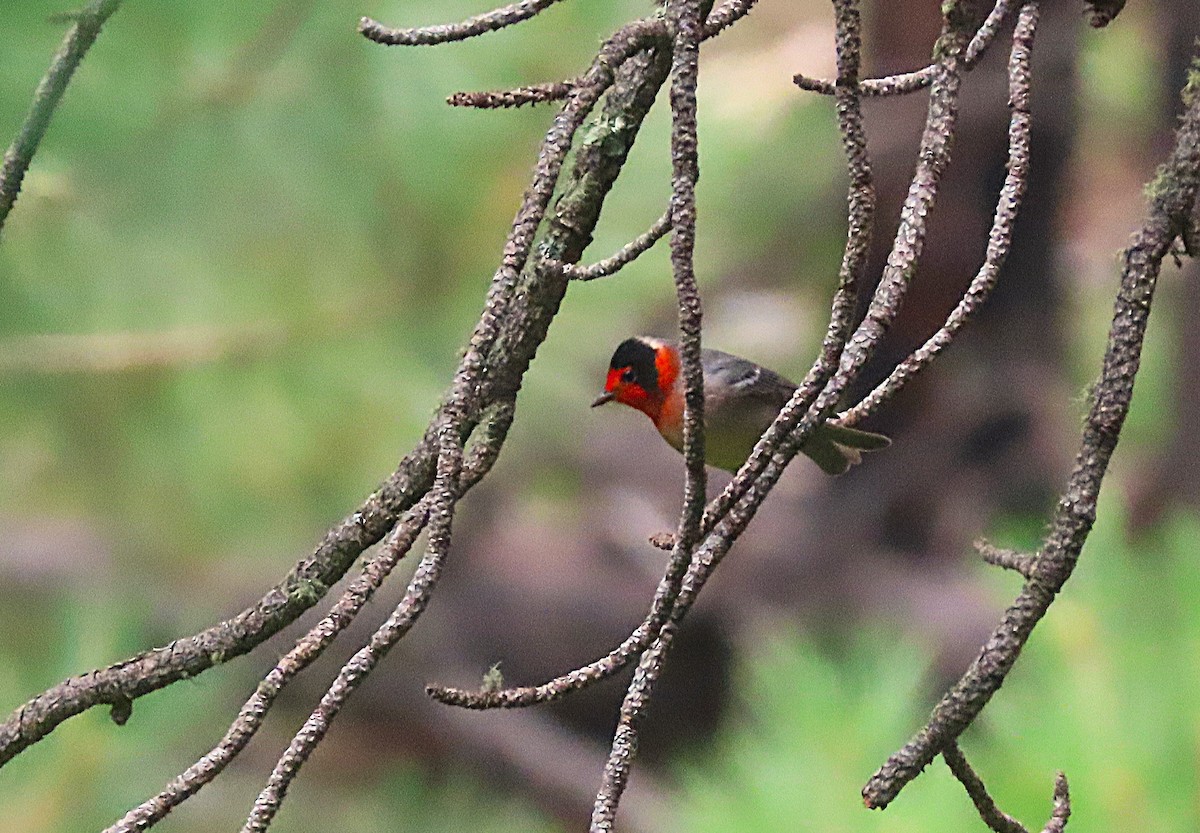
741, 399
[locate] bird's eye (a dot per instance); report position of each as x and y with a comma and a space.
628, 375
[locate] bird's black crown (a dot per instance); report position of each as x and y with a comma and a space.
638, 356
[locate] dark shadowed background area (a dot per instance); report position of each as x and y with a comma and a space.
236, 283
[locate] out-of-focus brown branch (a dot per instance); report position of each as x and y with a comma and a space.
83, 33
1100, 13
1173, 195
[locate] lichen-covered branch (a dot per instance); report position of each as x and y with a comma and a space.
500, 352
1173, 200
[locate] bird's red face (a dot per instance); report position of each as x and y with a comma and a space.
641, 375
622, 386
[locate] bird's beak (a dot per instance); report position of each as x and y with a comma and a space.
607, 396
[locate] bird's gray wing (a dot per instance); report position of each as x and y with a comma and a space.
735, 377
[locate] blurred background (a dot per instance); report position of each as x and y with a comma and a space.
235, 285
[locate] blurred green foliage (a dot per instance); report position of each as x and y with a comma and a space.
307, 232
1105, 691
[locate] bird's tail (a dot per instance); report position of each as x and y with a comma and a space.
835, 448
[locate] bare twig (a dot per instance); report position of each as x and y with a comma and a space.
1062, 806
87, 24
447, 32
910, 82
1174, 197
534, 94
995, 818
999, 239
1020, 562
628, 253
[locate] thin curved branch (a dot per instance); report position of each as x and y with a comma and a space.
1174, 198
472, 27
309, 647
686, 19
444, 494
627, 254
762, 463
999, 238
79, 39
910, 82
995, 818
